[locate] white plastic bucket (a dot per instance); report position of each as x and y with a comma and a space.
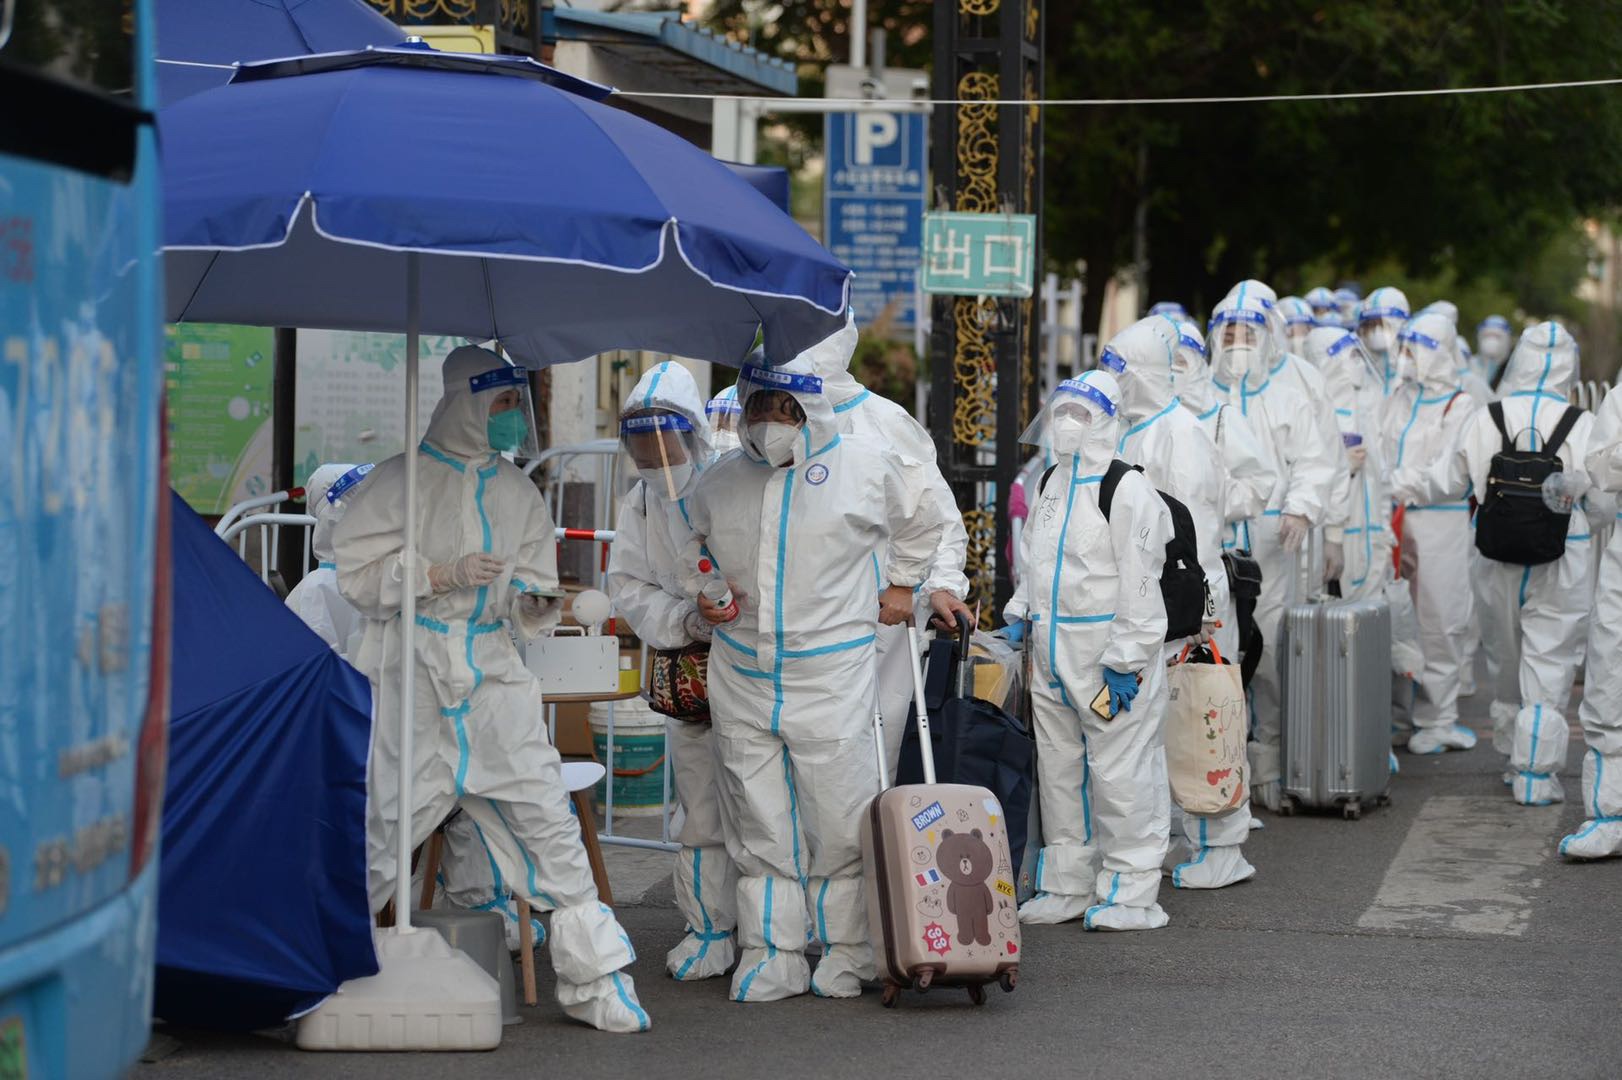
639, 757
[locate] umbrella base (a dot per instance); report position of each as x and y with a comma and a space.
425, 996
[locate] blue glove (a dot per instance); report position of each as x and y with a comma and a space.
1015, 631
1123, 687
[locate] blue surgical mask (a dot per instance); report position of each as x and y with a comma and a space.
507, 430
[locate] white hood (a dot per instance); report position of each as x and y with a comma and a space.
460, 424
829, 360
1148, 381
1545, 359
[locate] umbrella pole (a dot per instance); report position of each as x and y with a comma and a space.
408, 609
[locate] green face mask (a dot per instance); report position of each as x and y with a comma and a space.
507, 430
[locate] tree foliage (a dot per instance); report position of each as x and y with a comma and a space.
1470, 186
1481, 192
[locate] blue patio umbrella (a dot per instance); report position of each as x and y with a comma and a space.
481, 197
544, 218
198, 40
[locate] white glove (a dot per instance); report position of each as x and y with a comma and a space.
1292, 532
1358, 456
1334, 560
698, 628
468, 572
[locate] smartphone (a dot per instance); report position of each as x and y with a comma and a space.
1100, 703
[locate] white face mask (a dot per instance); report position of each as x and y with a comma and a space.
775, 440
1377, 338
1239, 360
670, 482
1068, 433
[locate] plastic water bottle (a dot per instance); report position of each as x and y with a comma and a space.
716, 590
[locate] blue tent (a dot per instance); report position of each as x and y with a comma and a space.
262, 907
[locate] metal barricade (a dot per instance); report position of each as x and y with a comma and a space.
261, 513
595, 462
606, 834
269, 537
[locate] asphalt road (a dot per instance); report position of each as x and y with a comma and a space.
1441, 936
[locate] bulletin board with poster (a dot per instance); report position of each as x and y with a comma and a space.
218, 380
349, 404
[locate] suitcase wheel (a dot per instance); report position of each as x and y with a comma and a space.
921, 981
1288, 806
1008, 980
892, 995
1351, 810
977, 994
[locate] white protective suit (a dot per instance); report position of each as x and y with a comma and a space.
316, 598
1422, 425
792, 688
1539, 613
1298, 449
1478, 390
1091, 596
646, 581
479, 739
859, 411
467, 876
723, 414
1249, 472
1601, 710
1494, 337
1380, 318
1291, 369
1181, 459
1355, 387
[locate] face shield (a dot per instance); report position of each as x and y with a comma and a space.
1189, 368
723, 411
1422, 357
510, 416
1240, 344
774, 422
1169, 308
1493, 338
1378, 326
1347, 354
1081, 417
331, 508
1299, 321
662, 448
1346, 304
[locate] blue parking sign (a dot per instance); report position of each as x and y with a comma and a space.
873, 207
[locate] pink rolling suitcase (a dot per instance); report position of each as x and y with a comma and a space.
940, 888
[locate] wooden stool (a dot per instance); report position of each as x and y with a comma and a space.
526, 930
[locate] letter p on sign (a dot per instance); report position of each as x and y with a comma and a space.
874, 131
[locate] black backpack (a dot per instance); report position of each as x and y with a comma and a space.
1513, 523
1182, 581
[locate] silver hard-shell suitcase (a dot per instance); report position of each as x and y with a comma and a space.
1335, 657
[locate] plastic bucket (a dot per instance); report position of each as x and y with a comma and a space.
639, 757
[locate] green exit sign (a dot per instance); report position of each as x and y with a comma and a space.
980, 254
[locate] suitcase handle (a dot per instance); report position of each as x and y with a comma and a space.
926, 751
878, 751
